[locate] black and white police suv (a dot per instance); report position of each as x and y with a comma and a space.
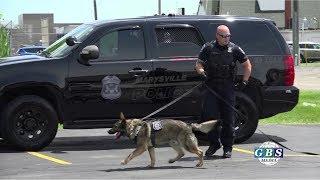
135, 66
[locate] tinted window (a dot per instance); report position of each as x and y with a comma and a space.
122, 45
253, 37
178, 42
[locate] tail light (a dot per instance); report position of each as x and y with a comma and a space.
289, 70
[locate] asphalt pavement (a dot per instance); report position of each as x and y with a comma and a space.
88, 154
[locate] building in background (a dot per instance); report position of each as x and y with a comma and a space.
37, 30
277, 10
33, 29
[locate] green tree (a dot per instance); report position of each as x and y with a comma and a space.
4, 41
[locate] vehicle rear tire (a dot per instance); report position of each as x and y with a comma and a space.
29, 123
244, 127
247, 125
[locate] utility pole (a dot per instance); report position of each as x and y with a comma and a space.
95, 10
159, 7
295, 32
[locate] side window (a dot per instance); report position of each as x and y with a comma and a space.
254, 38
178, 42
122, 45
310, 46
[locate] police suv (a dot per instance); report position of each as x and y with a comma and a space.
135, 66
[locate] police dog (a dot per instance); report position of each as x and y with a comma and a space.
176, 133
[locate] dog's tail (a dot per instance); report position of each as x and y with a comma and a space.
205, 127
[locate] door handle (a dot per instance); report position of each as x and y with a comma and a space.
138, 71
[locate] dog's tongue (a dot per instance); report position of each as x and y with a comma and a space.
118, 135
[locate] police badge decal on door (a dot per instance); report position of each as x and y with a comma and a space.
111, 87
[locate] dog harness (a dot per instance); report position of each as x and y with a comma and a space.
156, 125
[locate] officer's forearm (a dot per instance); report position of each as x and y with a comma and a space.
247, 70
246, 75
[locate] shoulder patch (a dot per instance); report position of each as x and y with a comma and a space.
241, 50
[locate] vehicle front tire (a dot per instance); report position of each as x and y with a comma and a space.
29, 123
245, 125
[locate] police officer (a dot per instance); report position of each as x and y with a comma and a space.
217, 64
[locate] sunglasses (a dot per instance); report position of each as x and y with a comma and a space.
224, 36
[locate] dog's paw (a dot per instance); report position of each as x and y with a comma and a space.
150, 166
171, 161
123, 162
199, 164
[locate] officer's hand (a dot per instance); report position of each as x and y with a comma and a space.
204, 76
241, 85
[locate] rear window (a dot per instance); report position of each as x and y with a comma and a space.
253, 37
178, 42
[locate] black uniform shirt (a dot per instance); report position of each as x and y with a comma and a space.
238, 53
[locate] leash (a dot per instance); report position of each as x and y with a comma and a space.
246, 118
228, 104
172, 102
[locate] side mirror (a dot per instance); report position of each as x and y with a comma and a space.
88, 53
71, 41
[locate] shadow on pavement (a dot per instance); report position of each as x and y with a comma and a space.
213, 157
260, 138
91, 143
147, 168
256, 138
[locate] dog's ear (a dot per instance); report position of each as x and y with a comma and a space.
122, 116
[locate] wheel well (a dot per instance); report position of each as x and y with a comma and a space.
41, 91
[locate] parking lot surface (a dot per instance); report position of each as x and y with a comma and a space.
87, 154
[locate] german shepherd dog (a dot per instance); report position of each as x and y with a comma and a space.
147, 135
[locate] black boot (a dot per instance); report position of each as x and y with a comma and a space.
227, 152
212, 149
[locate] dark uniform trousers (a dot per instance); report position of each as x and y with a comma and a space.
215, 108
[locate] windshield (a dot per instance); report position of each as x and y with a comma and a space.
60, 48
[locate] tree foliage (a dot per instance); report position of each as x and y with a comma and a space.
4, 41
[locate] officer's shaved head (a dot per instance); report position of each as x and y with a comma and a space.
223, 29
223, 35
